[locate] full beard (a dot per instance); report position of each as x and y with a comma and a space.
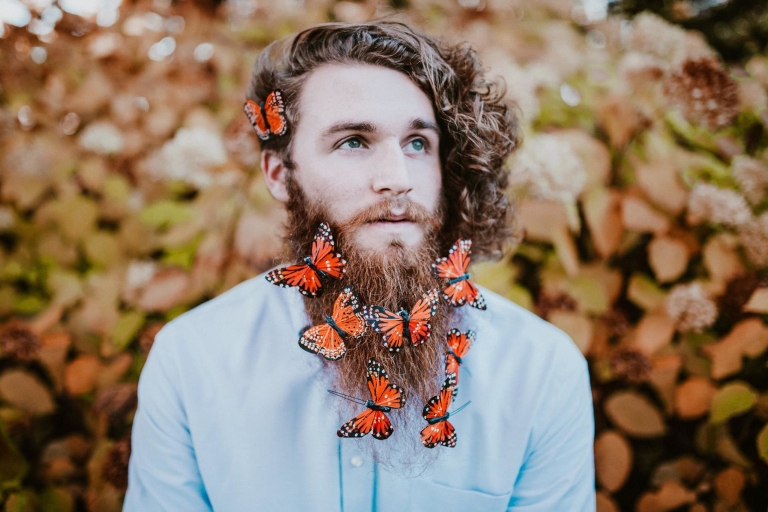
395, 279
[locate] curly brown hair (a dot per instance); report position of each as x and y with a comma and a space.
480, 129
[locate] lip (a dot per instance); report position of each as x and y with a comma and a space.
391, 222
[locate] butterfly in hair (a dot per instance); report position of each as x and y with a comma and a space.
385, 396
459, 289
439, 430
458, 346
268, 117
404, 325
316, 269
346, 321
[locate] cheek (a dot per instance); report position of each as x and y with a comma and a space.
428, 185
343, 193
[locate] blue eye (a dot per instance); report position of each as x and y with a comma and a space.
354, 143
419, 144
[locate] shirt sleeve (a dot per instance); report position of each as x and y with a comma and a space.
162, 469
559, 470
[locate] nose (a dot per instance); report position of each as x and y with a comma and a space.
390, 174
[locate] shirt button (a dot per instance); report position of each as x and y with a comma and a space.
356, 461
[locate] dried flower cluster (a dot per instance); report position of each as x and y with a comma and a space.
555, 302
548, 168
18, 341
630, 364
117, 400
691, 310
709, 203
704, 92
115, 467
754, 237
752, 176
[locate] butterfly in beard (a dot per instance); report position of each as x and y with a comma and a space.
458, 346
439, 430
459, 289
395, 327
346, 321
385, 396
317, 268
268, 117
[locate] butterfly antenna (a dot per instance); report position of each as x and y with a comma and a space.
467, 371
348, 397
460, 408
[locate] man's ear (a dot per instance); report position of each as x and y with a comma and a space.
274, 173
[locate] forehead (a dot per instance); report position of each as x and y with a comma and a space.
361, 92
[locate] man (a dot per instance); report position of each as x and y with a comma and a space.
398, 143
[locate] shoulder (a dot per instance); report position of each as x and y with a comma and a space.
515, 333
229, 318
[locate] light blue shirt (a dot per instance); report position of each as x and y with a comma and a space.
234, 416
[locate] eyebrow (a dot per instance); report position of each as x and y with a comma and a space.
367, 127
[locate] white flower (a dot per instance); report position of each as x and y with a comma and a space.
548, 168
752, 176
102, 137
189, 156
691, 310
754, 237
139, 274
717, 205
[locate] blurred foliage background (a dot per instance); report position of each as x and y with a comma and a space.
130, 192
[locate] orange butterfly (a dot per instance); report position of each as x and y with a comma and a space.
460, 290
458, 345
439, 430
267, 118
310, 276
347, 320
384, 397
394, 327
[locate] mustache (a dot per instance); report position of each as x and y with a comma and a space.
399, 208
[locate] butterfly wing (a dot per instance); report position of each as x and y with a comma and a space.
275, 108
323, 255
301, 276
358, 426
348, 313
452, 371
389, 324
382, 427
421, 314
438, 405
324, 340
457, 262
459, 342
383, 392
441, 432
253, 111
474, 298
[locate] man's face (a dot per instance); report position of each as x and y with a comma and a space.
368, 134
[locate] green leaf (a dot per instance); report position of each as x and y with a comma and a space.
127, 328
13, 466
29, 304
166, 213
644, 292
762, 443
102, 248
24, 501
731, 400
57, 499
76, 216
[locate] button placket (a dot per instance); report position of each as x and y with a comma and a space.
357, 477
